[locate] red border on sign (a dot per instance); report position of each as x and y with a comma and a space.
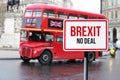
85, 49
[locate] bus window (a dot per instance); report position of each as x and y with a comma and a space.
49, 13
83, 17
100, 18
37, 13
92, 17
24, 35
48, 37
28, 13
62, 15
59, 39
38, 36
35, 36
73, 16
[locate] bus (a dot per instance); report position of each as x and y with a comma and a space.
41, 34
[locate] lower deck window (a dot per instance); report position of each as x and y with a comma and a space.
59, 39
38, 36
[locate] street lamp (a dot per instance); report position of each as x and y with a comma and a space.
101, 6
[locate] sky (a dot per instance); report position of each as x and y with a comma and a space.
87, 5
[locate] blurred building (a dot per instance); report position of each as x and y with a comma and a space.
111, 8
10, 22
2, 17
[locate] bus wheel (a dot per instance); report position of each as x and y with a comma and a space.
91, 57
25, 59
45, 58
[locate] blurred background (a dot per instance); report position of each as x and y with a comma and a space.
11, 17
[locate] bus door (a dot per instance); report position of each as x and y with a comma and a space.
58, 46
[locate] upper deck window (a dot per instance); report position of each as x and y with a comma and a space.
49, 13
62, 15
37, 13
83, 17
28, 13
73, 16
100, 18
92, 17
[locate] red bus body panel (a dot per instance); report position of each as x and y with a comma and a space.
33, 50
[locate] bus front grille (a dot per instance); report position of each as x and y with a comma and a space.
27, 52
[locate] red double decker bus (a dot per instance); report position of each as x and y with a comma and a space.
42, 33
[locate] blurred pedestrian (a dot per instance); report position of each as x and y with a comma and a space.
112, 52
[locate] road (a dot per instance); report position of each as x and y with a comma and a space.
104, 68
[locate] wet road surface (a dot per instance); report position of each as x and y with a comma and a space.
105, 68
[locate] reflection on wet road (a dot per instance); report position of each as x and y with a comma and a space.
105, 68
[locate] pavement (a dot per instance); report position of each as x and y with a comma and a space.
6, 54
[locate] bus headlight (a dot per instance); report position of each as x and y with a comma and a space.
35, 51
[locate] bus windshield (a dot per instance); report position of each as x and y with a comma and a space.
24, 36
40, 37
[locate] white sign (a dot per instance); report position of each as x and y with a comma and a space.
85, 35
